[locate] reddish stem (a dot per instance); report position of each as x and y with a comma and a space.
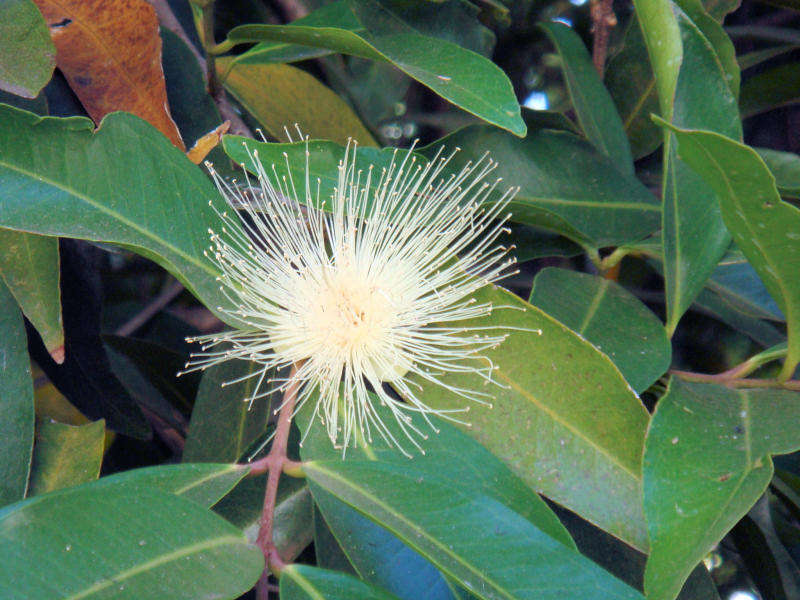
274, 462
603, 19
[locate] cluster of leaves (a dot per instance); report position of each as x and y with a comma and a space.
645, 471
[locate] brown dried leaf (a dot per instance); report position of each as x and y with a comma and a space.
110, 53
207, 143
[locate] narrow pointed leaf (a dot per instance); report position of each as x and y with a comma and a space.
586, 198
29, 265
765, 228
707, 460
16, 402
694, 235
596, 112
204, 484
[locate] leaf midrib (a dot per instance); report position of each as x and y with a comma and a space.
203, 265
155, 562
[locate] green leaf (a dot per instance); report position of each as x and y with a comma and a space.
190, 105
765, 228
65, 455
631, 83
578, 444
712, 30
16, 402
693, 233
706, 463
759, 331
461, 76
378, 556
772, 88
27, 56
738, 284
513, 559
223, 424
104, 541
302, 582
785, 167
124, 183
611, 318
593, 106
295, 98
204, 484
585, 198
29, 265
449, 454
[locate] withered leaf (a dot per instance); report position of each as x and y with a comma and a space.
110, 53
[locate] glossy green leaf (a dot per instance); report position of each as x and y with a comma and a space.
65, 455
586, 198
461, 76
104, 541
489, 549
451, 456
204, 484
27, 56
631, 83
29, 265
785, 167
712, 30
693, 233
578, 444
772, 88
706, 462
765, 228
662, 37
303, 582
611, 318
593, 106
224, 425
124, 183
16, 402
296, 98
377, 555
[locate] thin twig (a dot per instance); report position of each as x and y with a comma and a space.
727, 380
275, 461
167, 295
603, 19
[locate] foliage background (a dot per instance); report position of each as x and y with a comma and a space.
631, 455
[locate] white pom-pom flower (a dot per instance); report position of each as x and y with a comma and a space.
362, 291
